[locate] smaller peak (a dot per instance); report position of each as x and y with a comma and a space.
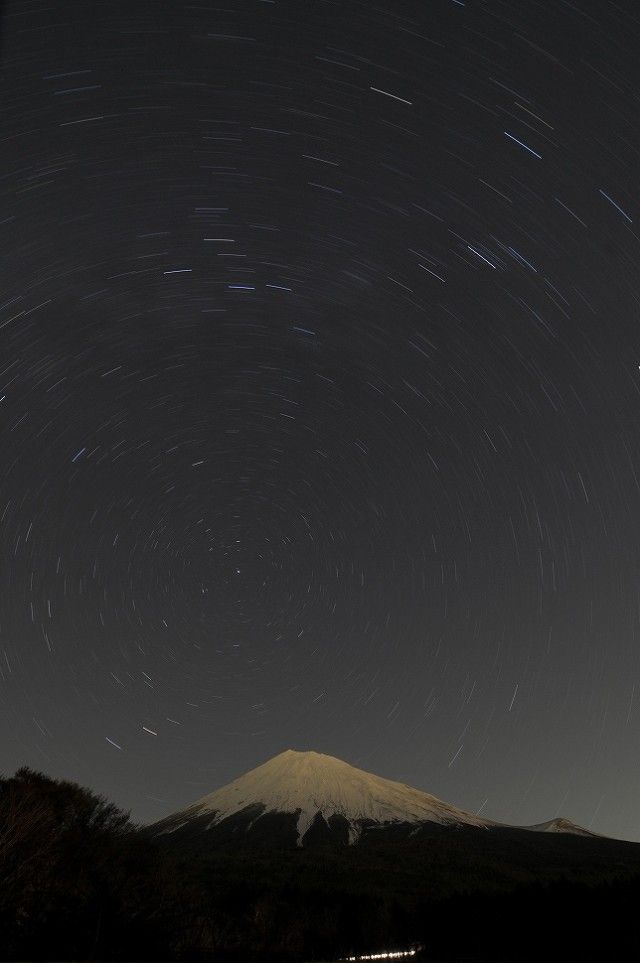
559, 824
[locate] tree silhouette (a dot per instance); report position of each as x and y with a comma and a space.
75, 876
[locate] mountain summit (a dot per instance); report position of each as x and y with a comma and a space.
319, 791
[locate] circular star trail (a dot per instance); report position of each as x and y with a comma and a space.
319, 394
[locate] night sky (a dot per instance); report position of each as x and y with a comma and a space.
320, 397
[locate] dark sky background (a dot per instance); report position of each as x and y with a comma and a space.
320, 397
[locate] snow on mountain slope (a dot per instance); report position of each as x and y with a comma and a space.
309, 783
560, 825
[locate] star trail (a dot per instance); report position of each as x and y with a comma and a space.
320, 397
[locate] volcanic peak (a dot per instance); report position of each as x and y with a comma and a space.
311, 784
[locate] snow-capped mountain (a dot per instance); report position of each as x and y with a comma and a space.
307, 797
315, 788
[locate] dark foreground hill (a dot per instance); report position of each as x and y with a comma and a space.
78, 881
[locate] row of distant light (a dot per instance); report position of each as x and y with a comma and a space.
390, 955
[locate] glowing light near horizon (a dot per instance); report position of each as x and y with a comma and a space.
389, 955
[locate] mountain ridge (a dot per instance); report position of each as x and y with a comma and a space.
316, 794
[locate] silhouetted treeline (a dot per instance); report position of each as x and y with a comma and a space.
76, 880
79, 882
